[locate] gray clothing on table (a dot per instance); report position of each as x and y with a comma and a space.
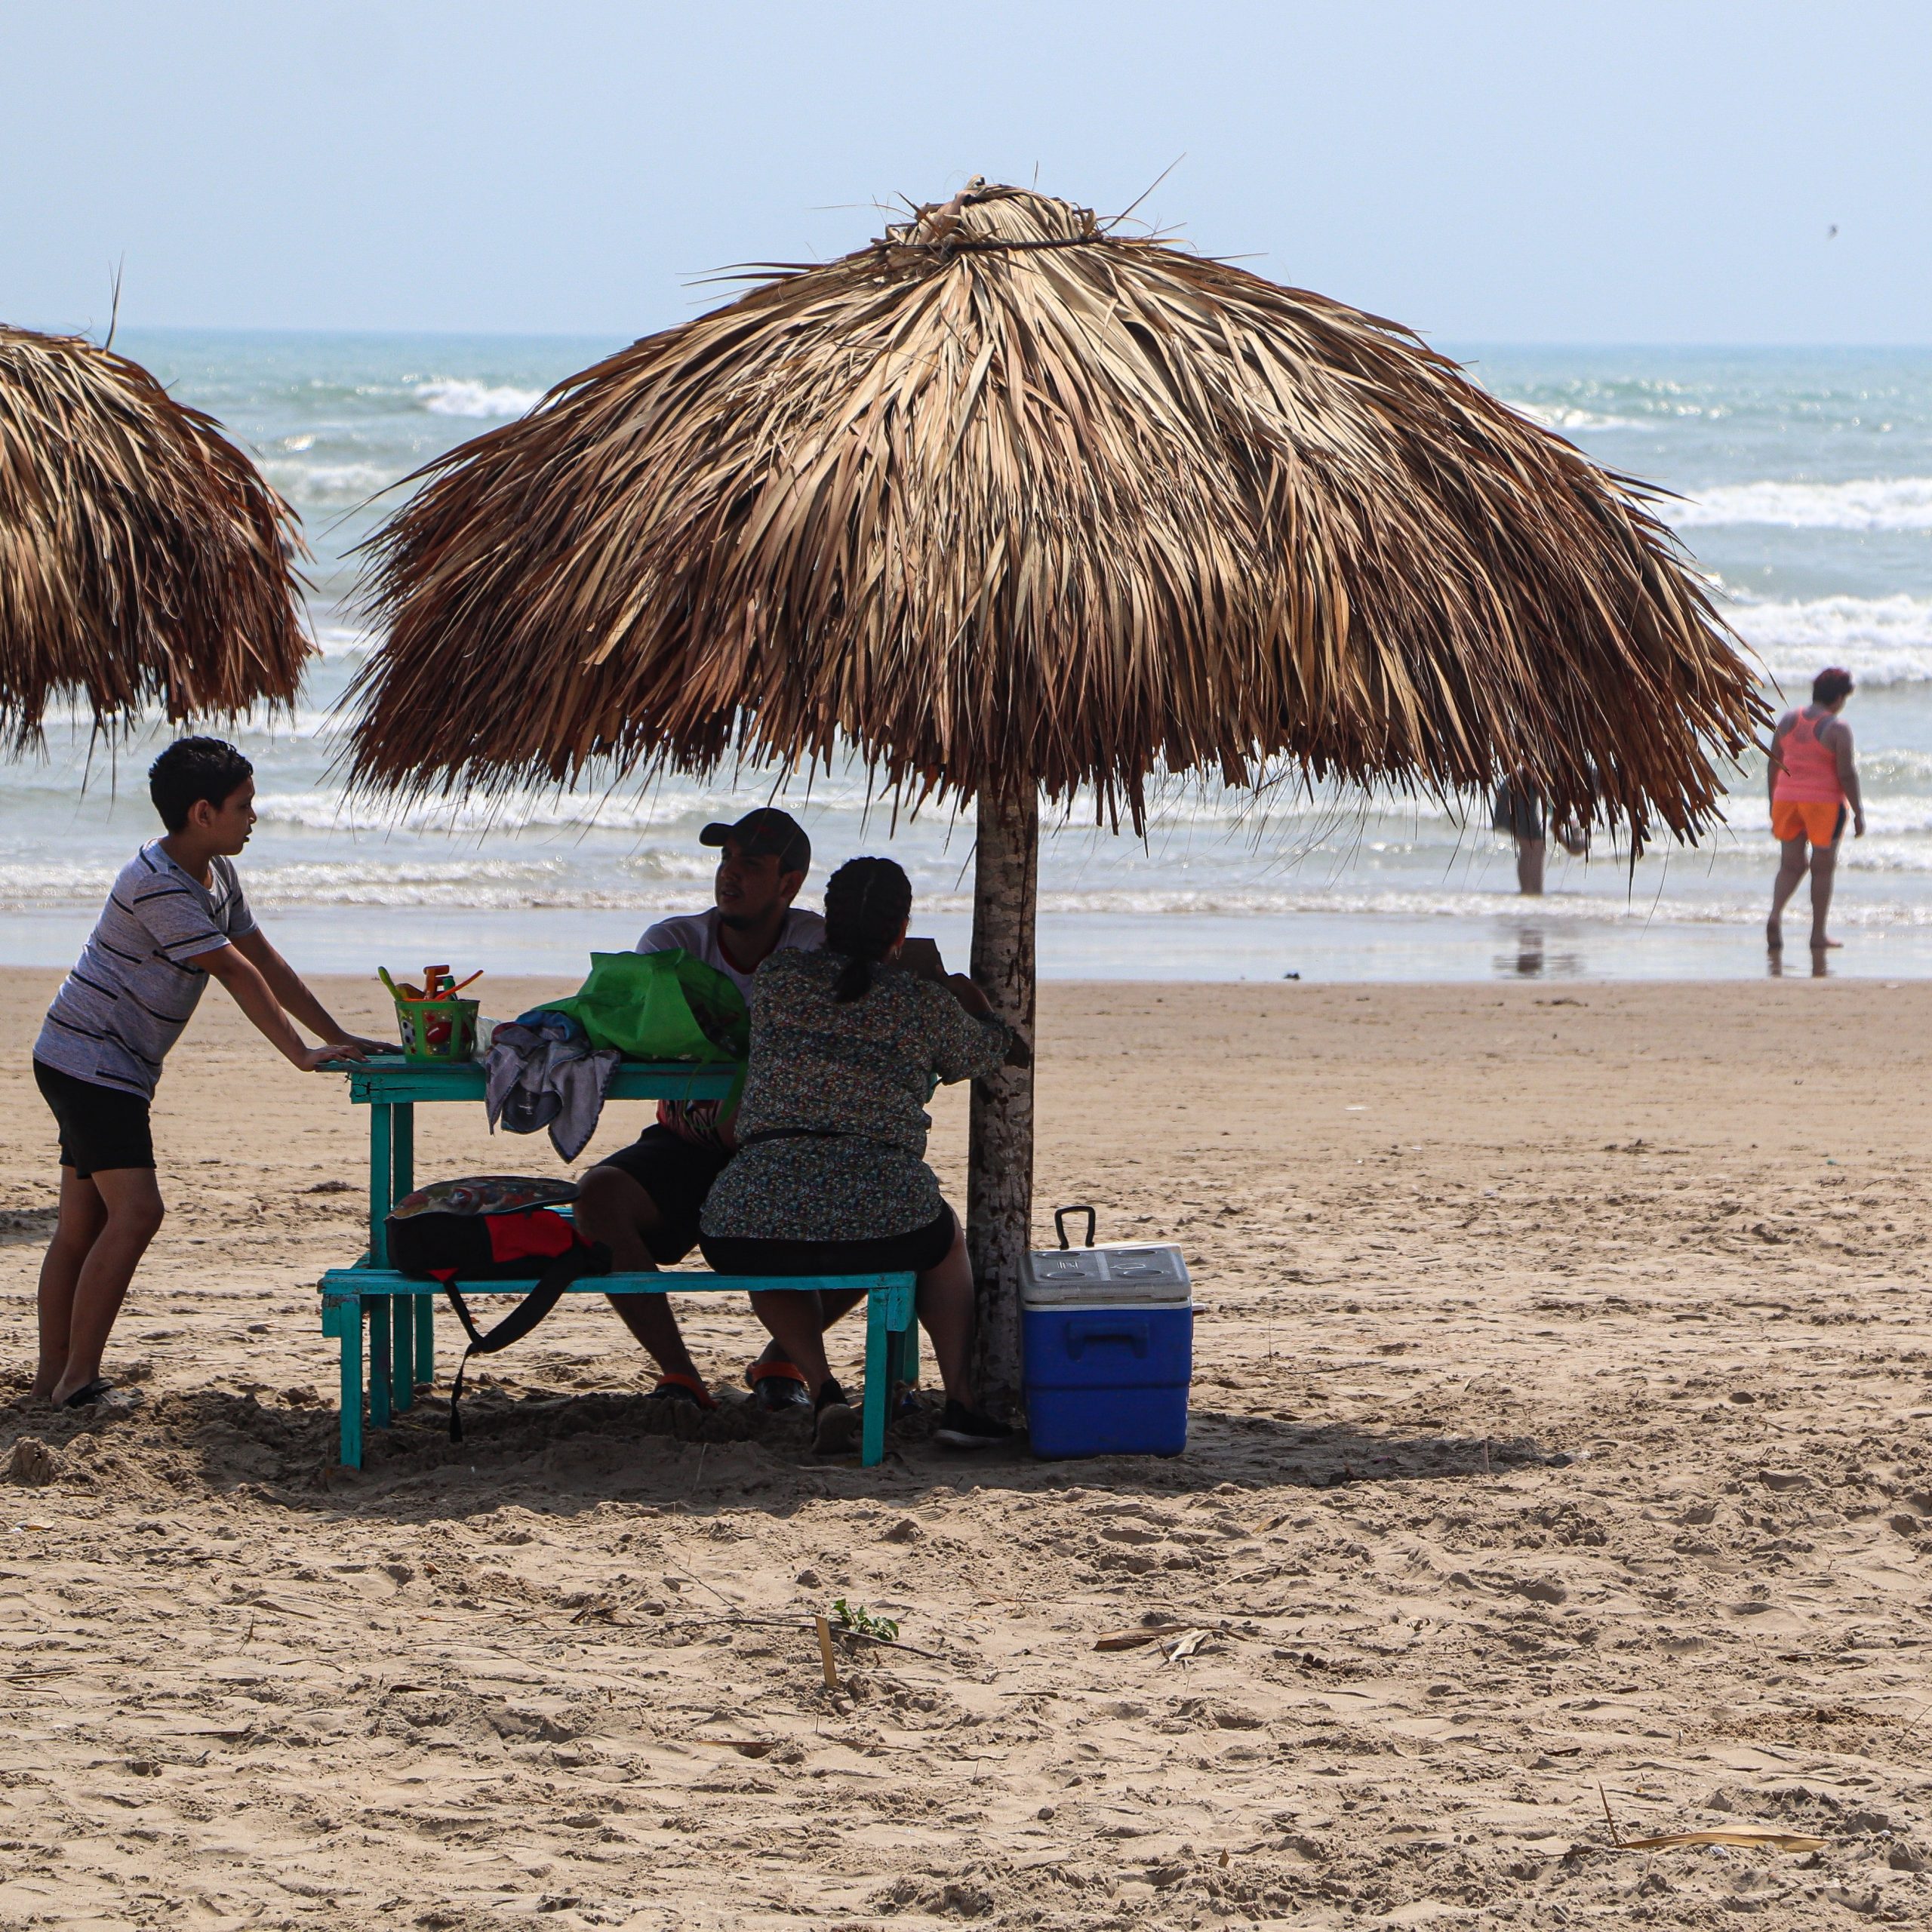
535, 1077
136, 986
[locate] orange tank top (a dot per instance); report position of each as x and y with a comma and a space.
1810, 772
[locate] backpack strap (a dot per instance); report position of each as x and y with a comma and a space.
586, 1258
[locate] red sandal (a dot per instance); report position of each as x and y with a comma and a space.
677, 1387
776, 1384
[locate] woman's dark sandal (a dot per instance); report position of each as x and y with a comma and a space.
776, 1384
679, 1388
98, 1390
960, 1428
834, 1421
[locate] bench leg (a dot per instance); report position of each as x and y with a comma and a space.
904, 1357
879, 1350
379, 1354
350, 1335
402, 1352
381, 1180
892, 1353
415, 1346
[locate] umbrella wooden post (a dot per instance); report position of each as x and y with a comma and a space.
999, 1189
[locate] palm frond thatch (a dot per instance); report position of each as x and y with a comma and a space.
1003, 494
143, 560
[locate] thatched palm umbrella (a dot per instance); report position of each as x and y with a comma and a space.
143, 560
1007, 504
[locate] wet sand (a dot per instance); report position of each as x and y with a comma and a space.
1563, 1385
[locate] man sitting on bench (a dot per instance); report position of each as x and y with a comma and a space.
643, 1202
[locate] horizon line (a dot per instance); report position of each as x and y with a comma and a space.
1598, 344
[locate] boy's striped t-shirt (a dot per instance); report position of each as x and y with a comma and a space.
136, 985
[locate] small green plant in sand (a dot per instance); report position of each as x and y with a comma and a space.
855, 1617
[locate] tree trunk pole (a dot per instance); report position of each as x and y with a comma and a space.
999, 1189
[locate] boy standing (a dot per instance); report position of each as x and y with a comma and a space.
175, 919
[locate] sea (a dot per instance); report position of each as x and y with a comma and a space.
1802, 482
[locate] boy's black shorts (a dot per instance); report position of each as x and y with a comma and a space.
677, 1173
101, 1127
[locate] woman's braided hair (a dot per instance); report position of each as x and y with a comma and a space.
866, 902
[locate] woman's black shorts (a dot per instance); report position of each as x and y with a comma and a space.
101, 1127
889, 1254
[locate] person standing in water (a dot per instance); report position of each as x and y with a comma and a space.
1519, 812
1813, 779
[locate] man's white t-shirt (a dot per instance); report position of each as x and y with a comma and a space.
696, 932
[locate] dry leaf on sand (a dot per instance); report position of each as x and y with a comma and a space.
1776, 1841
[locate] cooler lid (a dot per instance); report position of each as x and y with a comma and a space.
1110, 1277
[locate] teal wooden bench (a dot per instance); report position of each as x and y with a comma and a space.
398, 1315
394, 1309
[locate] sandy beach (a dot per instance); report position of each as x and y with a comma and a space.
1560, 1423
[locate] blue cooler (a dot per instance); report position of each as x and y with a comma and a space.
1109, 1339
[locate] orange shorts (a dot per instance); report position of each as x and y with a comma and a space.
1819, 819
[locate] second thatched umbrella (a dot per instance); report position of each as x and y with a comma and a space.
1005, 503
143, 560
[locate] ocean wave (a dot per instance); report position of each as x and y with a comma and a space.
527, 890
840, 796
451, 396
328, 485
1883, 640
1870, 503
1566, 416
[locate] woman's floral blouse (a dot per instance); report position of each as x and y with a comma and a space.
862, 1072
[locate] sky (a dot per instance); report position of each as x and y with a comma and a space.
1569, 171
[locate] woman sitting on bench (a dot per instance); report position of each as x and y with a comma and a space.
830, 1176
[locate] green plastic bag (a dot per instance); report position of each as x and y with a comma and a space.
660, 1006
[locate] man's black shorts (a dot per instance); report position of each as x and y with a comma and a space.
101, 1127
677, 1173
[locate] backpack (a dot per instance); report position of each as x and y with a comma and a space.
491, 1228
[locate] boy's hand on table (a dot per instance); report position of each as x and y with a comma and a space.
311, 1059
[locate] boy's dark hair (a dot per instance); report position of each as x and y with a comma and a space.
193, 768
1831, 685
866, 901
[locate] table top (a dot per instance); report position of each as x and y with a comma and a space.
389, 1079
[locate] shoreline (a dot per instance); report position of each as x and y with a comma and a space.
1546, 939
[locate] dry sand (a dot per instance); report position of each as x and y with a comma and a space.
1560, 1423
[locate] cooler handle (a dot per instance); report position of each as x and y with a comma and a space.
1083, 1329
1060, 1223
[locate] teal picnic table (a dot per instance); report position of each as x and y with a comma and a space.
397, 1312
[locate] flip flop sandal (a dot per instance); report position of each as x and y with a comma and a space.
679, 1388
98, 1390
777, 1384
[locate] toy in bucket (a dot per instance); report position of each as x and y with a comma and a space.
434, 1024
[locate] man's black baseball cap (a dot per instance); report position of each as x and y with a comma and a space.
765, 830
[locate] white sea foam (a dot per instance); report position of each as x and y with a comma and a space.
450, 396
1883, 640
1577, 897
1566, 416
1870, 503
333, 485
